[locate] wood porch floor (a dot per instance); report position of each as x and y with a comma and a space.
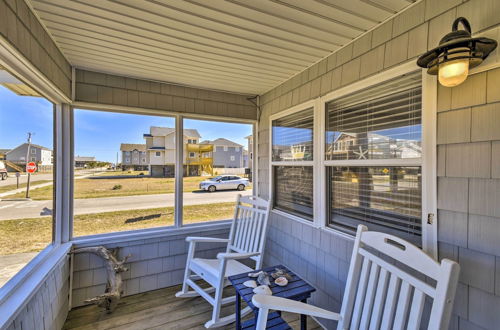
158, 309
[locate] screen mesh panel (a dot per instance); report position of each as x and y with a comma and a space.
380, 122
293, 136
293, 189
383, 198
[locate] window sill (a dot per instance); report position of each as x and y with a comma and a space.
151, 233
18, 291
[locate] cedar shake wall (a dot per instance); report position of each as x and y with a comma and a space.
468, 137
99, 88
21, 28
155, 263
48, 306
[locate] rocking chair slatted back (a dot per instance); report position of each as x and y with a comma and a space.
248, 230
381, 295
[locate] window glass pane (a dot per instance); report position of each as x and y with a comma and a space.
380, 122
209, 189
293, 137
26, 225
293, 190
383, 198
115, 189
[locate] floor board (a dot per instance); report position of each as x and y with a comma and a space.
158, 309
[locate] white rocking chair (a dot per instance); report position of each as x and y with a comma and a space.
246, 241
378, 294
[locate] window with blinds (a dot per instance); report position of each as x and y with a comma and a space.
385, 199
293, 136
293, 190
380, 122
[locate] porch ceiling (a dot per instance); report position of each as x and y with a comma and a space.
232, 45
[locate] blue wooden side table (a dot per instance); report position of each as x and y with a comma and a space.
297, 289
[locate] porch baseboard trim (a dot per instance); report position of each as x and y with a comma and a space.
145, 234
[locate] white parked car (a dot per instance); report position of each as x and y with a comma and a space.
224, 182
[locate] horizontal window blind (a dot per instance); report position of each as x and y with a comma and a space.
383, 198
380, 122
293, 189
292, 136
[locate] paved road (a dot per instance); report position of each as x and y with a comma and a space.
34, 209
11, 179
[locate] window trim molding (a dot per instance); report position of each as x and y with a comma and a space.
314, 104
428, 161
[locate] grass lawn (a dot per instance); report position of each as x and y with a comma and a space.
96, 188
21, 185
30, 235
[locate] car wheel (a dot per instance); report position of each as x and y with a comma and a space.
211, 188
241, 187
4, 176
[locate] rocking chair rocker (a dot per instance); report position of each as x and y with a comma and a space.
246, 241
382, 295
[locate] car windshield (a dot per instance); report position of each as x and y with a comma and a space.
217, 178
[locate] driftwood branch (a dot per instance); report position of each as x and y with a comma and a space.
114, 268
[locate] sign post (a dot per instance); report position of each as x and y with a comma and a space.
30, 168
17, 178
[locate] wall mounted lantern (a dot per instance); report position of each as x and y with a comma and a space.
456, 54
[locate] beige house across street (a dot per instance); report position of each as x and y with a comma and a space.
134, 157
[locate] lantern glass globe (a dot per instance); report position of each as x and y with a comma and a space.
454, 72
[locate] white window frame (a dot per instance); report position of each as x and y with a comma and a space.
225, 148
157, 154
428, 161
316, 221
232, 158
33, 151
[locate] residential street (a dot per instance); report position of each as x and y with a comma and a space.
32, 209
11, 179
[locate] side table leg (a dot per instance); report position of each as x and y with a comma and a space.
238, 311
303, 319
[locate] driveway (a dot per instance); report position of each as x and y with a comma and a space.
33, 209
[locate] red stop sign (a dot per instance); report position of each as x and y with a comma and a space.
31, 167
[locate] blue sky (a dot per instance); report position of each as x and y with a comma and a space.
22, 114
97, 133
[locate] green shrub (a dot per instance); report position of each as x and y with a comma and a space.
117, 187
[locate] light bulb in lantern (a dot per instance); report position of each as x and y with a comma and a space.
454, 72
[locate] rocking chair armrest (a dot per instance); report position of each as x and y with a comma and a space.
292, 306
193, 239
235, 256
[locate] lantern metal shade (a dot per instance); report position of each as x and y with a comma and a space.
457, 44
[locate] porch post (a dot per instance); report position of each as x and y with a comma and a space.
63, 206
179, 169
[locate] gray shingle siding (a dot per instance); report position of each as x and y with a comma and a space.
155, 263
95, 87
21, 28
468, 162
48, 306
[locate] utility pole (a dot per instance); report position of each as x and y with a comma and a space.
27, 161
116, 164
